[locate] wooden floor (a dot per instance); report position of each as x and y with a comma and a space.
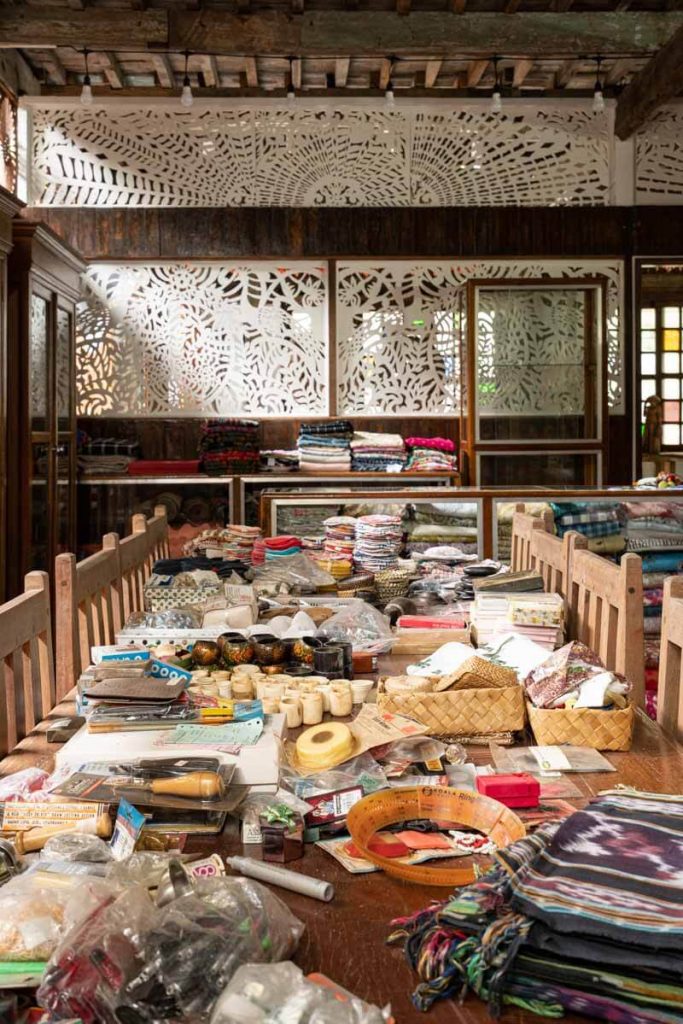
345, 939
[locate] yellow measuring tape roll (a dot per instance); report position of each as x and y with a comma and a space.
437, 803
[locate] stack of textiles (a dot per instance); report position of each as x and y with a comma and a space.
229, 446
325, 447
431, 455
238, 542
539, 617
266, 549
279, 460
652, 644
585, 915
340, 539
378, 542
107, 455
504, 513
451, 523
377, 453
602, 525
303, 520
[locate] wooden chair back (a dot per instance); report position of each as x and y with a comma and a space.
28, 684
670, 691
89, 596
135, 562
524, 526
605, 611
550, 557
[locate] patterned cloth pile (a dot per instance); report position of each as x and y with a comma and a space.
266, 549
584, 916
602, 525
325, 447
378, 542
229, 446
377, 453
431, 455
107, 455
442, 523
340, 540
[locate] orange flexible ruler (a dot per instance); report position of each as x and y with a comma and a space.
439, 803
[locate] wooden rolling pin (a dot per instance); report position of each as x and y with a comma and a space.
35, 838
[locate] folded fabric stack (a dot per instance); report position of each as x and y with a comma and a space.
585, 915
602, 526
431, 455
451, 523
107, 455
325, 447
239, 542
303, 520
377, 453
266, 549
279, 460
337, 552
504, 513
229, 446
378, 542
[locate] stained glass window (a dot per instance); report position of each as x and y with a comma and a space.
661, 340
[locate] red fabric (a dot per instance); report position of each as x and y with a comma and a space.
163, 467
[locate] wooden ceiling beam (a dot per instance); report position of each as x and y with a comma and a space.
54, 68
622, 5
659, 81
565, 73
520, 72
432, 72
113, 71
511, 6
341, 72
297, 73
163, 70
384, 73
618, 71
319, 33
297, 6
428, 33
458, 6
403, 6
212, 76
563, 5
475, 72
251, 72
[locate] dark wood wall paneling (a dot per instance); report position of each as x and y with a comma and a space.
271, 232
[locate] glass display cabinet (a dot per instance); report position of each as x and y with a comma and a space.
9, 208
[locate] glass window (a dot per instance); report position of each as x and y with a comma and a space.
661, 341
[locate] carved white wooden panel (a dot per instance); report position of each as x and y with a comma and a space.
398, 329
202, 338
530, 352
659, 158
447, 154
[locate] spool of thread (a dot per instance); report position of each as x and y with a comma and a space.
312, 707
242, 689
291, 708
341, 700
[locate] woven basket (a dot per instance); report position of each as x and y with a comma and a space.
583, 727
391, 583
460, 712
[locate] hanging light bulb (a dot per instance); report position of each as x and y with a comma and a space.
186, 97
291, 92
598, 97
86, 90
389, 97
496, 104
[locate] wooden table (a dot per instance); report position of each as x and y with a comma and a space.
345, 939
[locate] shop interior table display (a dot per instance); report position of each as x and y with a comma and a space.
256, 750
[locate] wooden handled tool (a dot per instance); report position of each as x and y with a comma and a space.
35, 838
200, 785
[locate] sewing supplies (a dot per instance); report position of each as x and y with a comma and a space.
515, 790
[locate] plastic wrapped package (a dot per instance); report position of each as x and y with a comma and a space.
145, 867
78, 847
133, 961
280, 992
27, 785
290, 574
173, 618
361, 771
36, 909
363, 625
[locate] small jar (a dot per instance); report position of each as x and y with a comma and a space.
225, 690
341, 699
347, 650
271, 705
303, 648
237, 651
329, 660
324, 691
269, 650
291, 708
273, 691
242, 689
312, 706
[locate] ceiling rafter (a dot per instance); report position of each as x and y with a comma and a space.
163, 70
113, 71
341, 72
432, 72
659, 81
521, 71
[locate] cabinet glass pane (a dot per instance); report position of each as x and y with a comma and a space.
536, 364
64, 511
39, 510
38, 363
63, 350
556, 469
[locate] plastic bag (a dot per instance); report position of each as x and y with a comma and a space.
173, 618
37, 908
365, 626
290, 574
280, 992
131, 960
27, 785
77, 846
361, 771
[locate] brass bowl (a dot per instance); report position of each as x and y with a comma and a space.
269, 649
206, 652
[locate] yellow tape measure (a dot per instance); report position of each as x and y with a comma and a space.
439, 803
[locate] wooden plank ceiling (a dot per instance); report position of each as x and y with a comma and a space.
357, 47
